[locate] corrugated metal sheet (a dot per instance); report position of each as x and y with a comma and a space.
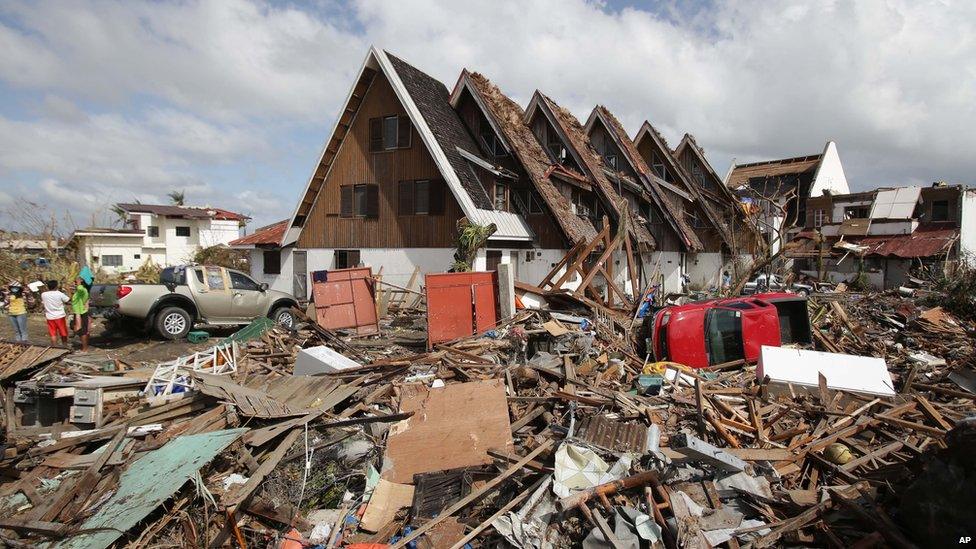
921, 243
613, 435
147, 483
510, 226
895, 203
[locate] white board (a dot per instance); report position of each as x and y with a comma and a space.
321, 360
801, 368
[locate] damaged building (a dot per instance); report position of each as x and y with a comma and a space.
407, 159
887, 235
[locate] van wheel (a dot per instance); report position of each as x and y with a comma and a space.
173, 323
284, 317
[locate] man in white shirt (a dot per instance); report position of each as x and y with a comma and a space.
54, 301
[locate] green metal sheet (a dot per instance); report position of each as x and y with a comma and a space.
147, 483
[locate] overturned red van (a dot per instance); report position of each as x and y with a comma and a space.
707, 333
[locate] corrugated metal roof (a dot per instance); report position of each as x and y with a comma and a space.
924, 242
267, 235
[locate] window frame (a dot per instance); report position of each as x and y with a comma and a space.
103, 263
152, 231
356, 195
346, 256
402, 133
948, 211
188, 231
276, 262
233, 283
409, 195
819, 217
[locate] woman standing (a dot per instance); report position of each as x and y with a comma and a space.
17, 309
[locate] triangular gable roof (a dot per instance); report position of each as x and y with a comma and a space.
689, 143
647, 131
506, 119
442, 132
574, 138
616, 131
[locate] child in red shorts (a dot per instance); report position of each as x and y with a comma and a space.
54, 301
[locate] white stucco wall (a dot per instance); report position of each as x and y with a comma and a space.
830, 175
705, 269
663, 267
967, 227
129, 247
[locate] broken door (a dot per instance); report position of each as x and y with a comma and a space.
460, 304
345, 299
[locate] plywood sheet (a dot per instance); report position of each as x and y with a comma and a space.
388, 498
452, 426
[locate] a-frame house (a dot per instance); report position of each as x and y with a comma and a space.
704, 268
633, 179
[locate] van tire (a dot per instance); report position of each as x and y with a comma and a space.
173, 323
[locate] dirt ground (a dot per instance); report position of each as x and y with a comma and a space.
133, 349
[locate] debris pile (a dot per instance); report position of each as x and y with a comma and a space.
544, 431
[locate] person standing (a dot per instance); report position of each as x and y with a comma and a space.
16, 305
79, 307
54, 301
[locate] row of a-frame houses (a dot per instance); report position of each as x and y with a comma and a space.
408, 158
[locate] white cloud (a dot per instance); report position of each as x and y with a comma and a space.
143, 97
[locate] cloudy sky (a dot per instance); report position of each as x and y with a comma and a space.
105, 101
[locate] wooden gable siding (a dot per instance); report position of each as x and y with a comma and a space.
354, 164
547, 233
709, 237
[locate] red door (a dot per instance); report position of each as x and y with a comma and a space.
460, 305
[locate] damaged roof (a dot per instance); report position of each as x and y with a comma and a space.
627, 147
508, 117
432, 99
685, 179
741, 174
186, 212
593, 164
269, 235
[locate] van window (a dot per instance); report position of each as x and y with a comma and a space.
723, 336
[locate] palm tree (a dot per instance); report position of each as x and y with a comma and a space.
121, 216
177, 197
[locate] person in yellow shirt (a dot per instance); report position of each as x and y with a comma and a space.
17, 309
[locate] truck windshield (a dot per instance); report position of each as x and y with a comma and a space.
723, 336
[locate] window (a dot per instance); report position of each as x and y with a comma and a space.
657, 164
240, 282
723, 332
940, 210
389, 133
819, 218
611, 160
696, 172
856, 212
500, 197
359, 200
420, 197
215, 279
182, 231
493, 258
111, 260
493, 145
272, 262
346, 259
137, 256
153, 231
556, 148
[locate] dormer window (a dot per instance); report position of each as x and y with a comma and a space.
556, 148
611, 160
493, 145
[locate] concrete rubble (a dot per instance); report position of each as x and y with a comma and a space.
545, 431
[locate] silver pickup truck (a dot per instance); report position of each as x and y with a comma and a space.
191, 295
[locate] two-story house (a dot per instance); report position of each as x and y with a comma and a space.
166, 234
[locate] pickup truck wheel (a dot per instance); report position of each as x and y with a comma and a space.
173, 323
284, 316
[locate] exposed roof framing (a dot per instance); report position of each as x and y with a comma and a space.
651, 182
